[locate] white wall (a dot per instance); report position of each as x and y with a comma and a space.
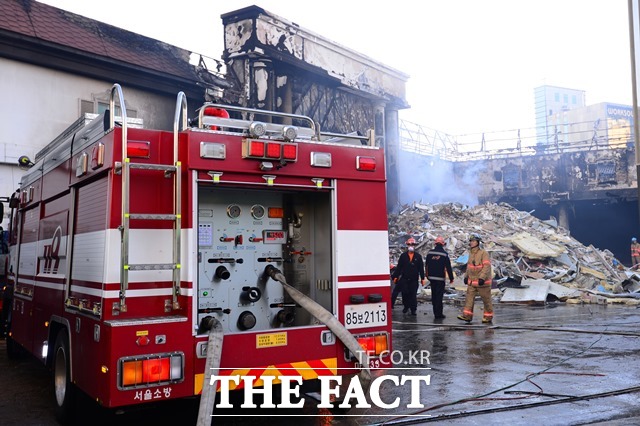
37, 104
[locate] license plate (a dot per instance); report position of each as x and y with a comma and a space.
365, 315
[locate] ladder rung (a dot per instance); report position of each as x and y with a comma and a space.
152, 267
162, 167
145, 216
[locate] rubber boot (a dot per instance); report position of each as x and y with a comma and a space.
463, 318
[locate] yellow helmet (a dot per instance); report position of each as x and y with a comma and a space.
475, 237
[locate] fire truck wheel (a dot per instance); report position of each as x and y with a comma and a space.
64, 390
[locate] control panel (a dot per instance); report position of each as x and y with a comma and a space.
239, 234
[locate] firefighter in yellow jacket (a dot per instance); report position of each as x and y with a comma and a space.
478, 281
635, 253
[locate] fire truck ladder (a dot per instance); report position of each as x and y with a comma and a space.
126, 166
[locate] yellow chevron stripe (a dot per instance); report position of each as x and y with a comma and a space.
301, 368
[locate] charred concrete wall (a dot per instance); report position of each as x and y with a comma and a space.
275, 64
591, 192
606, 175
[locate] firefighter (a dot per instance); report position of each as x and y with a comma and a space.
396, 286
478, 280
437, 268
635, 253
409, 269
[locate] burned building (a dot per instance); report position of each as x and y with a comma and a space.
590, 189
559, 179
275, 64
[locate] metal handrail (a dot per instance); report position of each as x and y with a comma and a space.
181, 109
124, 239
315, 127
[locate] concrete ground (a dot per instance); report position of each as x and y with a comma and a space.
553, 365
545, 365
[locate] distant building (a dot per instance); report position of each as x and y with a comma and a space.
551, 100
600, 124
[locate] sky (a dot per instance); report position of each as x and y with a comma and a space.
472, 65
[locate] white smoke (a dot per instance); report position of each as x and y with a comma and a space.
432, 180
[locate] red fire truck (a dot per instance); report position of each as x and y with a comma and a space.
126, 243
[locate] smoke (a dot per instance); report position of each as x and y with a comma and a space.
432, 180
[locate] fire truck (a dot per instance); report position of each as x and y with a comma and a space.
127, 245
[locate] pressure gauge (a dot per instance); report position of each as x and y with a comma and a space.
257, 211
233, 211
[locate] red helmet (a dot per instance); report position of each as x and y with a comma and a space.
411, 242
440, 240
216, 112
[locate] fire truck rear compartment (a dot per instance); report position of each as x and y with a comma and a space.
240, 233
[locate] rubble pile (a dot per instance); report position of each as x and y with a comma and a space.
525, 251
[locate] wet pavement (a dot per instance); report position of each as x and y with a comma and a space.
549, 365
552, 365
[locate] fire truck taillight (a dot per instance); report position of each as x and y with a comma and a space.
367, 164
373, 344
138, 149
151, 370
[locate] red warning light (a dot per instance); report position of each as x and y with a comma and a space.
273, 150
367, 164
140, 149
289, 151
256, 149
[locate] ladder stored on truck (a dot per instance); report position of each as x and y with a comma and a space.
168, 170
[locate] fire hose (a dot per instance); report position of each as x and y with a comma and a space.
328, 319
214, 345
211, 367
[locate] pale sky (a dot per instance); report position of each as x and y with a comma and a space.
473, 64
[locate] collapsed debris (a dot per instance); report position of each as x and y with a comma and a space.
533, 260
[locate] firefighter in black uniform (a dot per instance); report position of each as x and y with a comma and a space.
410, 268
437, 264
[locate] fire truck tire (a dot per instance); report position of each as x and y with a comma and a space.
64, 390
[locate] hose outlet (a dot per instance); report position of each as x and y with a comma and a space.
205, 324
246, 321
222, 273
285, 317
271, 271
275, 273
250, 294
